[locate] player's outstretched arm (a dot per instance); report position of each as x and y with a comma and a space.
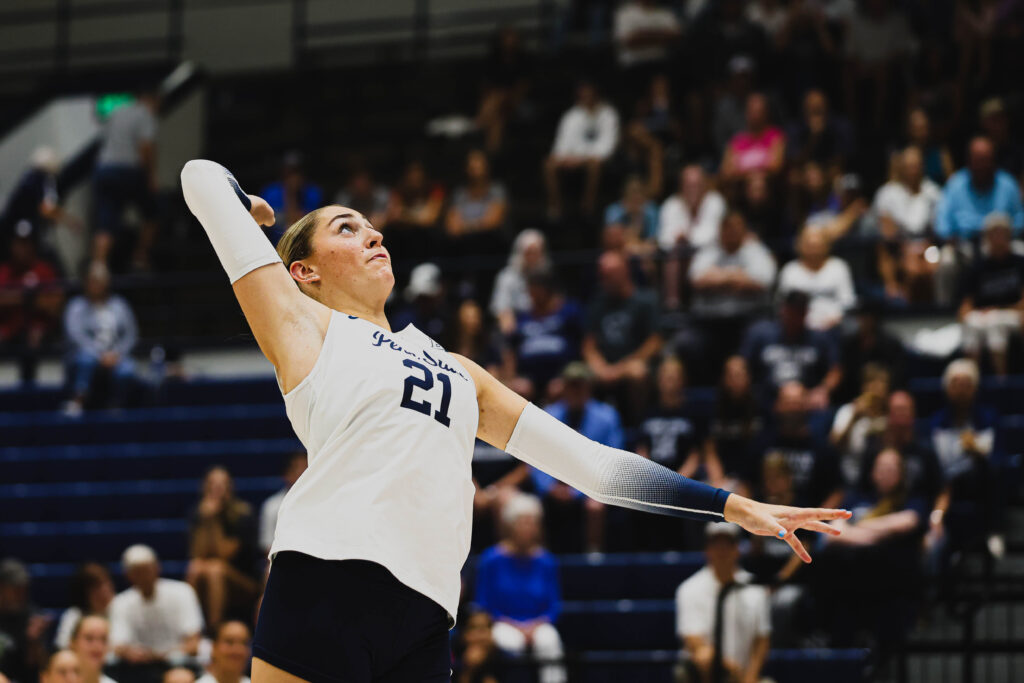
616, 477
288, 325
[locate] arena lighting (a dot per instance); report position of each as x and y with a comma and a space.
931, 254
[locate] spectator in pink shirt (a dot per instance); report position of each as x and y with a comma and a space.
759, 148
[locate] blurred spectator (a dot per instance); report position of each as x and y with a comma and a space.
35, 199
92, 590
937, 161
786, 350
477, 653
644, 33
728, 115
770, 15
365, 195
416, 201
963, 432
157, 621
179, 674
880, 544
995, 123
126, 176
763, 210
691, 217
964, 436
511, 296
819, 135
858, 422
623, 333
90, 641
425, 304
635, 213
868, 342
735, 424
760, 147
905, 210
63, 666
992, 301
292, 196
722, 619
974, 192
30, 302
102, 332
816, 477
507, 76
546, 338
832, 212
472, 337
733, 275
669, 434
825, 279
921, 467
22, 627
878, 43
478, 209
229, 657
905, 206
293, 469
517, 584
721, 32
656, 123
222, 549
588, 134
564, 506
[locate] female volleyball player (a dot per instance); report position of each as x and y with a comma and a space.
364, 582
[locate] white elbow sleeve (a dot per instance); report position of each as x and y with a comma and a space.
212, 195
607, 474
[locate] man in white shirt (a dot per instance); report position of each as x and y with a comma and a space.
229, 657
587, 136
734, 275
156, 620
731, 632
905, 206
293, 469
644, 32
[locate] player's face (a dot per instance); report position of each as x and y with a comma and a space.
349, 253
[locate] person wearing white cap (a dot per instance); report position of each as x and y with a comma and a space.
364, 582
157, 620
993, 295
722, 619
35, 199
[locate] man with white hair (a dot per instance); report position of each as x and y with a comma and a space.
157, 620
723, 620
993, 295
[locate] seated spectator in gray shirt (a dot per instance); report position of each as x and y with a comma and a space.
734, 275
101, 333
478, 208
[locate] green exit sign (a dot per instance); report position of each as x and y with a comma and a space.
106, 104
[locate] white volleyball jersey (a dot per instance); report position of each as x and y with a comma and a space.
389, 421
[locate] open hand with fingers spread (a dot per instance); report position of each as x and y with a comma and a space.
781, 521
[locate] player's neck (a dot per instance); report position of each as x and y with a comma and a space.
373, 313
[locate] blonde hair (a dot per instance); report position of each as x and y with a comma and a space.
297, 241
961, 366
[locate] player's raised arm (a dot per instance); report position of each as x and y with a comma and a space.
288, 325
617, 477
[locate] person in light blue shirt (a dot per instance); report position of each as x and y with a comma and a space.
564, 506
974, 192
635, 212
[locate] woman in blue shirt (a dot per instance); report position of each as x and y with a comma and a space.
517, 584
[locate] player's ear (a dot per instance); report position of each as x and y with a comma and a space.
303, 273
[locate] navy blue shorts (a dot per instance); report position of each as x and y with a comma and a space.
349, 621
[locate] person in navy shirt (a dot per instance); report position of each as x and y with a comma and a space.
565, 507
547, 337
786, 350
517, 584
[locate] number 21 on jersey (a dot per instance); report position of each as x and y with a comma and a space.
423, 378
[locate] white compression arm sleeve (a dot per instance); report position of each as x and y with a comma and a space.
610, 475
213, 195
